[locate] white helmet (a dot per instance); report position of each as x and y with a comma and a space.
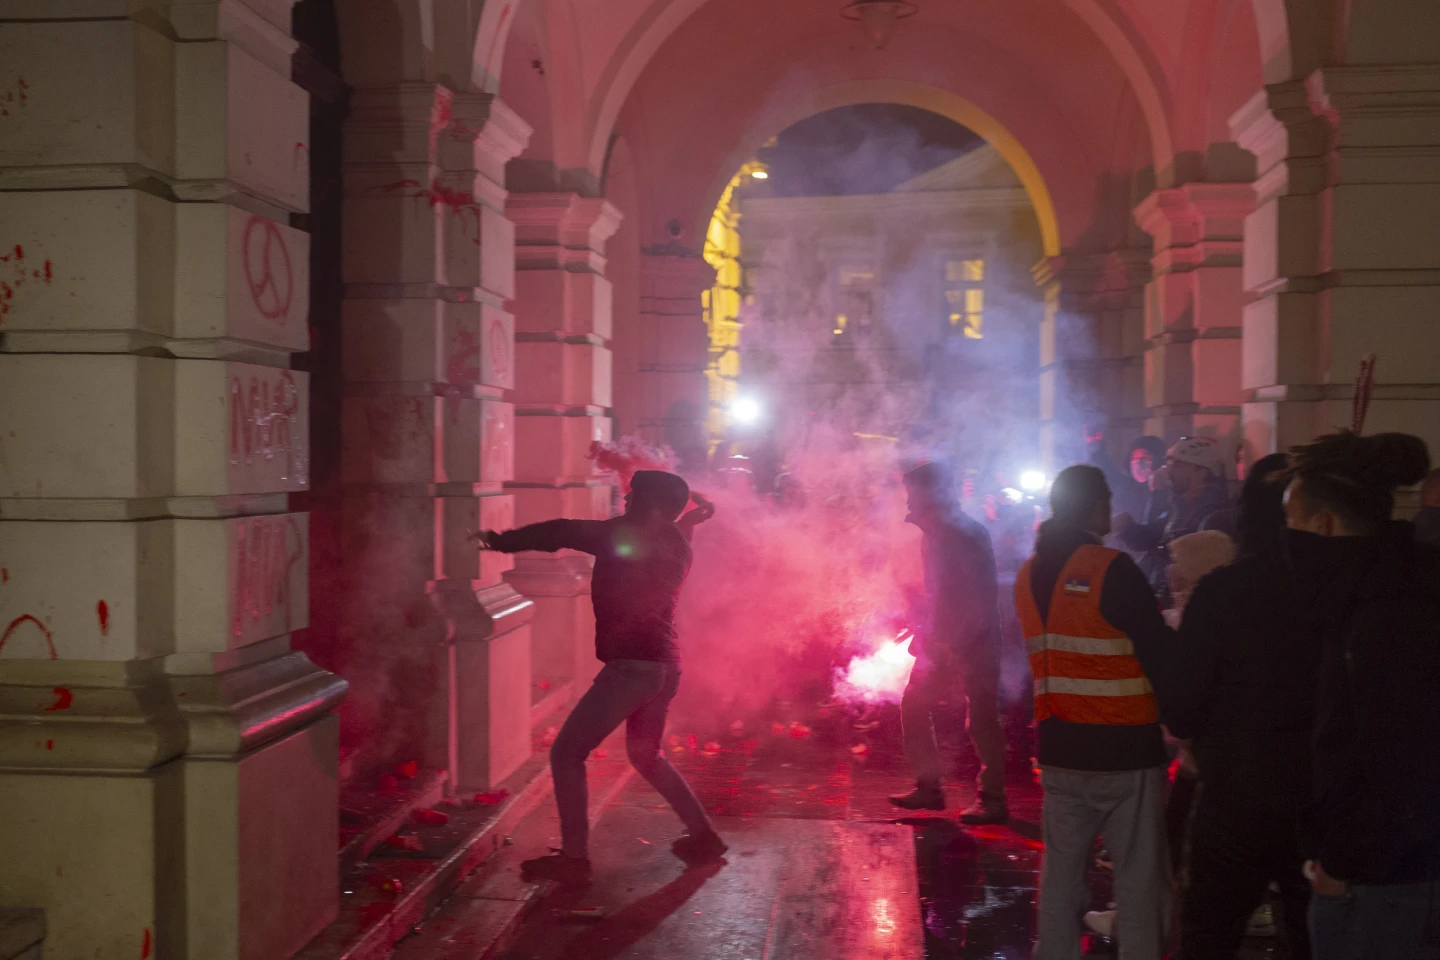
1201, 451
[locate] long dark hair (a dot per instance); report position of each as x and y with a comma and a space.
1355, 477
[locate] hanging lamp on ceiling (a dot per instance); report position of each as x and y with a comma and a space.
877, 18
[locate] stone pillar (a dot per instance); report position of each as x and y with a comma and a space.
1193, 308
1092, 347
1342, 252
674, 351
441, 641
562, 360
169, 763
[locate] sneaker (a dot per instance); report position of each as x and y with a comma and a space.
699, 849
925, 796
569, 871
986, 810
1101, 922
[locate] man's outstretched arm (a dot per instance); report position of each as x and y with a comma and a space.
547, 537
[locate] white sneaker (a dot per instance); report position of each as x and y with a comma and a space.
1101, 922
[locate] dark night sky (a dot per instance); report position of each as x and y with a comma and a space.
867, 148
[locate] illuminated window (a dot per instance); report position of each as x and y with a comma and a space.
840, 321
855, 298
965, 297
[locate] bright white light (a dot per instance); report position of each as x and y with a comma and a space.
759, 174
1033, 481
745, 409
878, 677
1012, 495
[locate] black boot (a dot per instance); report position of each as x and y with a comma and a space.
568, 871
927, 795
987, 808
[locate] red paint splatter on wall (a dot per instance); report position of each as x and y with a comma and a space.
19, 275
145, 945
102, 610
49, 275
267, 268
49, 744
458, 201
499, 32
27, 618
4, 575
63, 699
301, 151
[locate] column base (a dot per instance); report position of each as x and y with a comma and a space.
563, 630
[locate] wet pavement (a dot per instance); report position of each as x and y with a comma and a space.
820, 865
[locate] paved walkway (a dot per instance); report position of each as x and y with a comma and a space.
819, 868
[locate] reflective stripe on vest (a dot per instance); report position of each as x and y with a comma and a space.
1085, 670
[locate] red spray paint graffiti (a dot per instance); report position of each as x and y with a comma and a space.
63, 699
145, 945
27, 618
267, 268
263, 424
457, 201
102, 610
266, 551
463, 364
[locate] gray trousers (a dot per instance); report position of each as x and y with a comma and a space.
977, 676
1128, 810
637, 693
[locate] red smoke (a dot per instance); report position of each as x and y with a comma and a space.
625, 456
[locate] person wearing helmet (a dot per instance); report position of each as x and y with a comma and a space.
1195, 474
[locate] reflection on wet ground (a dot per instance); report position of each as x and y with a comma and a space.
803, 800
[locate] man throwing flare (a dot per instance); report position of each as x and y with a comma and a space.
641, 561
956, 647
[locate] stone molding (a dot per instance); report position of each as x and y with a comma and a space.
1209, 216
561, 230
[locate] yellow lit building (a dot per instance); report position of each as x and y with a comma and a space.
722, 301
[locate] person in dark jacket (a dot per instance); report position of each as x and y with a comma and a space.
1247, 703
1103, 661
956, 647
1371, 594
641, 561
1427, 521
1195, 473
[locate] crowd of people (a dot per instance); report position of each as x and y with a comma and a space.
1236, 694
1299, 686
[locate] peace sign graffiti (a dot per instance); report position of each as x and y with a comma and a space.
267, 268
499, 352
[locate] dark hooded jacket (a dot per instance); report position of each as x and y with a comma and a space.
962, 595
1373, 603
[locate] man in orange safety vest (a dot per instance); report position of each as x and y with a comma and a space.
1098, 646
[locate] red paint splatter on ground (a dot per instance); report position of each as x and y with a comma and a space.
388, 885
27, 618
102, 610
432, 818
388, 783
693, 742
408, 769
411, 844
63, 699
491, 798
145, 945
798, 731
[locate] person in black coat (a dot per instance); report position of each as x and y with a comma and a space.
1248, 704
1370, 595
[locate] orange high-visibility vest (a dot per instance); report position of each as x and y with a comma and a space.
1085, 670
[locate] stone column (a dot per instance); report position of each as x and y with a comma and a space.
1193, 309
1092, 347
441, 640
562, 358
169, 764
674, 351
1342, 252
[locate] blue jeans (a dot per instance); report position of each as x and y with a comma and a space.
1391, 922
637, 692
